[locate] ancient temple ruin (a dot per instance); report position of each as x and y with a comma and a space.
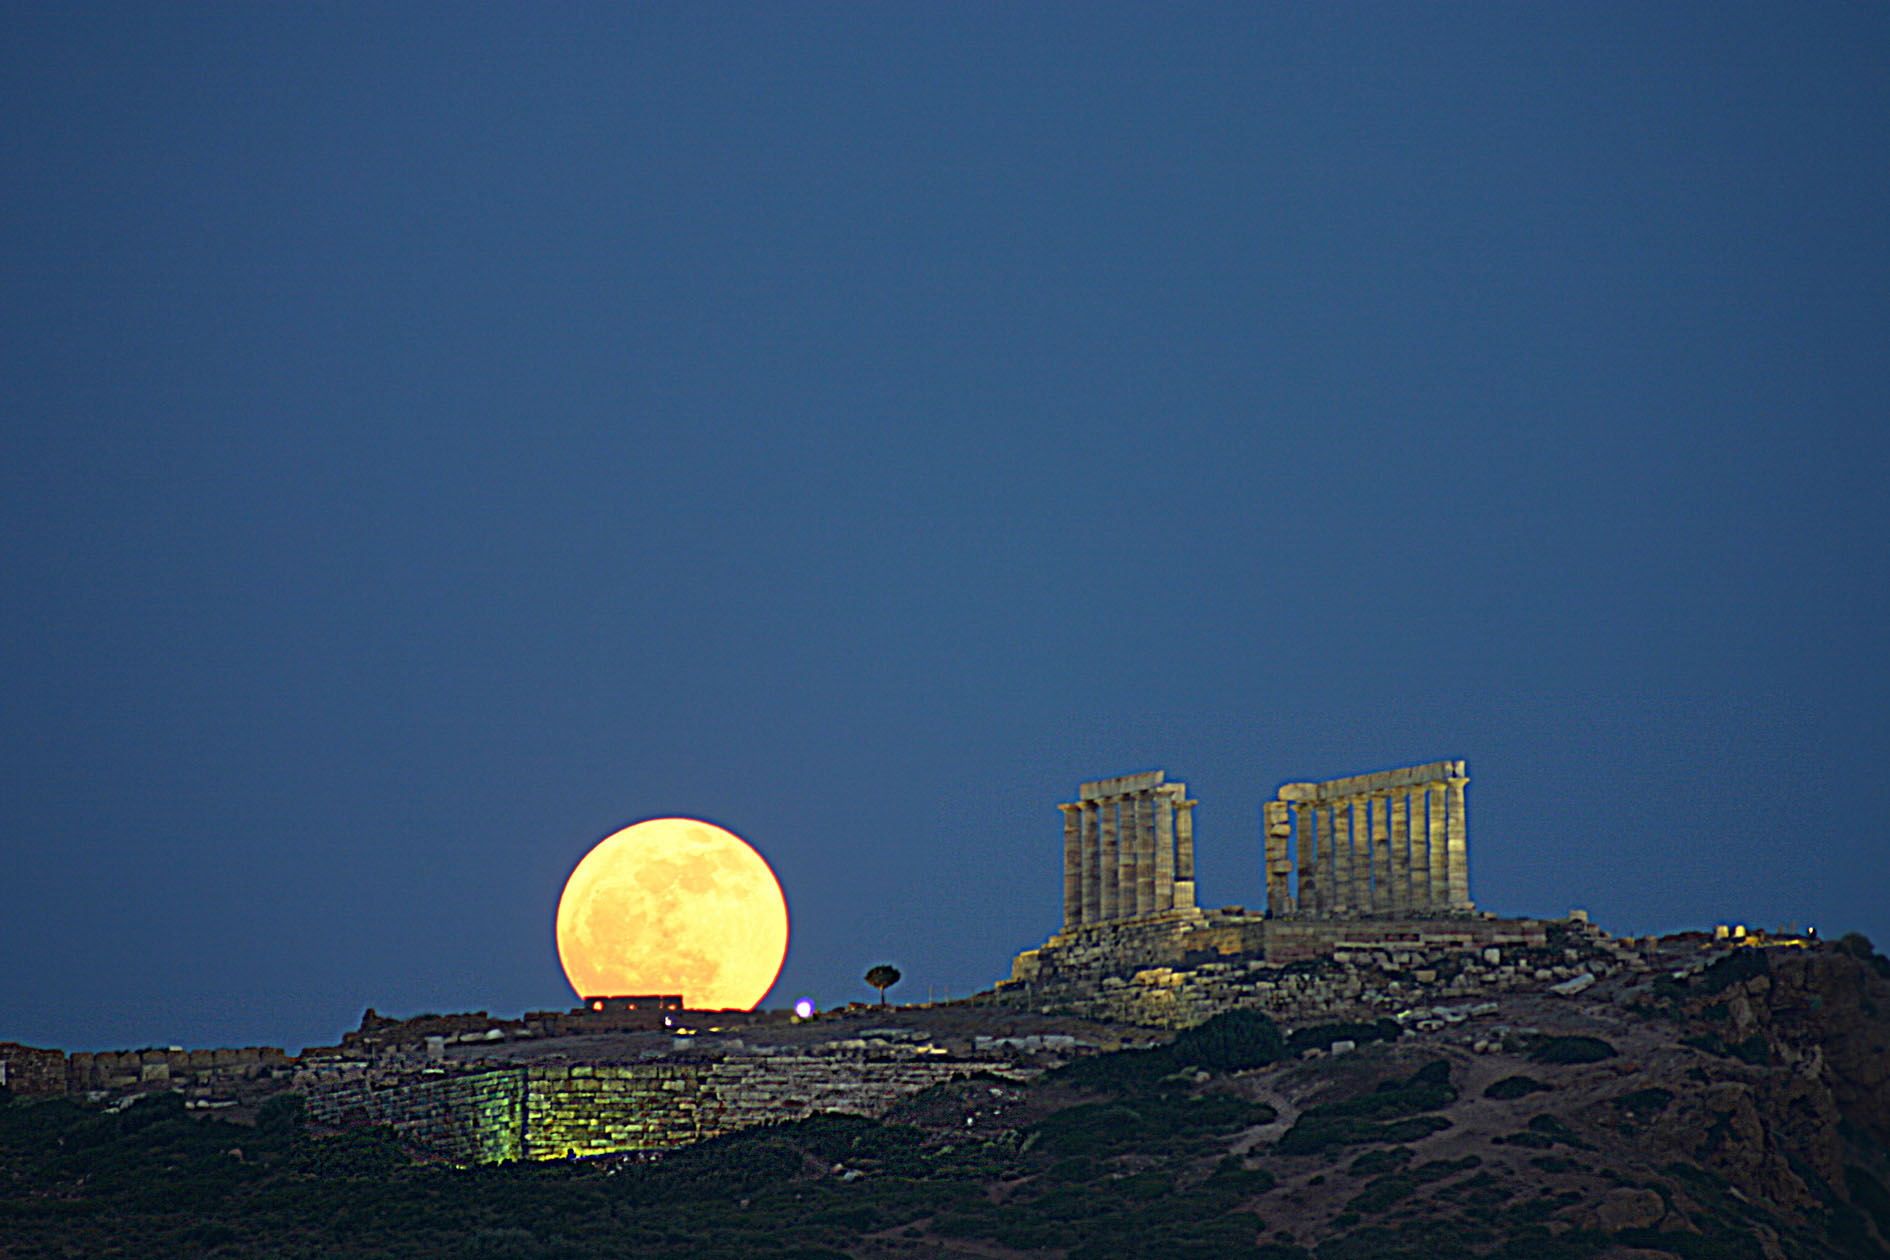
1128, 850
1393, 843
1370, 860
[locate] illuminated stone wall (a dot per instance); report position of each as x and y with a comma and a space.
549, 1111
593, 1109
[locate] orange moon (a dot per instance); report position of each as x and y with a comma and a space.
673, 905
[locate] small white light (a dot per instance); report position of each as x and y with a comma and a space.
804, 1007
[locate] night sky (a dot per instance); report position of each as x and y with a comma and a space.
436, 438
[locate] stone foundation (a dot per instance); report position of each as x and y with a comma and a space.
1177, 970
1341, 977
549, 1111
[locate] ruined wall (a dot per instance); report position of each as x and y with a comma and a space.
593, 1109
549, 1111
1357, 981
1085, 955
740, 1092
109, 1069
31, 1070
1091, 955
471, 1117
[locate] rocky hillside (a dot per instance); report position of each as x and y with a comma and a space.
1734, 1105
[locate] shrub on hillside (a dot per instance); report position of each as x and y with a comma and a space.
1572, 1050
1515, 1087
1117, 1071
1229, 1042
1857, 945
1319, 1036
1645, 1102
1735, 968
1389, 1113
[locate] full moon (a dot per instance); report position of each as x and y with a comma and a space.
673, 905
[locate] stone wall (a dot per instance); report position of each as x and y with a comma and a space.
1089, 956
1353, 980
125, 1069
593, 1109
470, 1117
31, 1070
549, 1111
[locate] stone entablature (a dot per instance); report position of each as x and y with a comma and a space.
1128, 850
1392, 843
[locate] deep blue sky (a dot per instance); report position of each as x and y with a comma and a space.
436, 438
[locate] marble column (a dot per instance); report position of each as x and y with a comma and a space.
1342, 875
1381, 855
1110, 860
1184, 853
1328, 863
1440, 858
1145, 850
1072, 865
1308, 858
1128, 859
1399, 812
1457, 838
1361, 830
1164, 804
1420, 852
1092, 865
1277, 824
1125, 858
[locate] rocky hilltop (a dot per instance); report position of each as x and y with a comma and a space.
1694, 1099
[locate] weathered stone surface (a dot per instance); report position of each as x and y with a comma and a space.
547, 1111
1629, 1207
1378, 781
1121, 785
32, 1070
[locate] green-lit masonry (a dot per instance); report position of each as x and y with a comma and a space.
542, 1111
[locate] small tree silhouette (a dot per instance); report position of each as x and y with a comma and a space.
882, 977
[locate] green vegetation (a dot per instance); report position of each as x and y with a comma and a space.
1320, 1036
1230, 1042
1381, 1194
1372, 1163
1857, 945
1117, 1155
1734, 968
1644, 1102
1390, 1113
882, 977
1571, 1050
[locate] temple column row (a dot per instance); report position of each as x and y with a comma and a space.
1377, 853
1129, 855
